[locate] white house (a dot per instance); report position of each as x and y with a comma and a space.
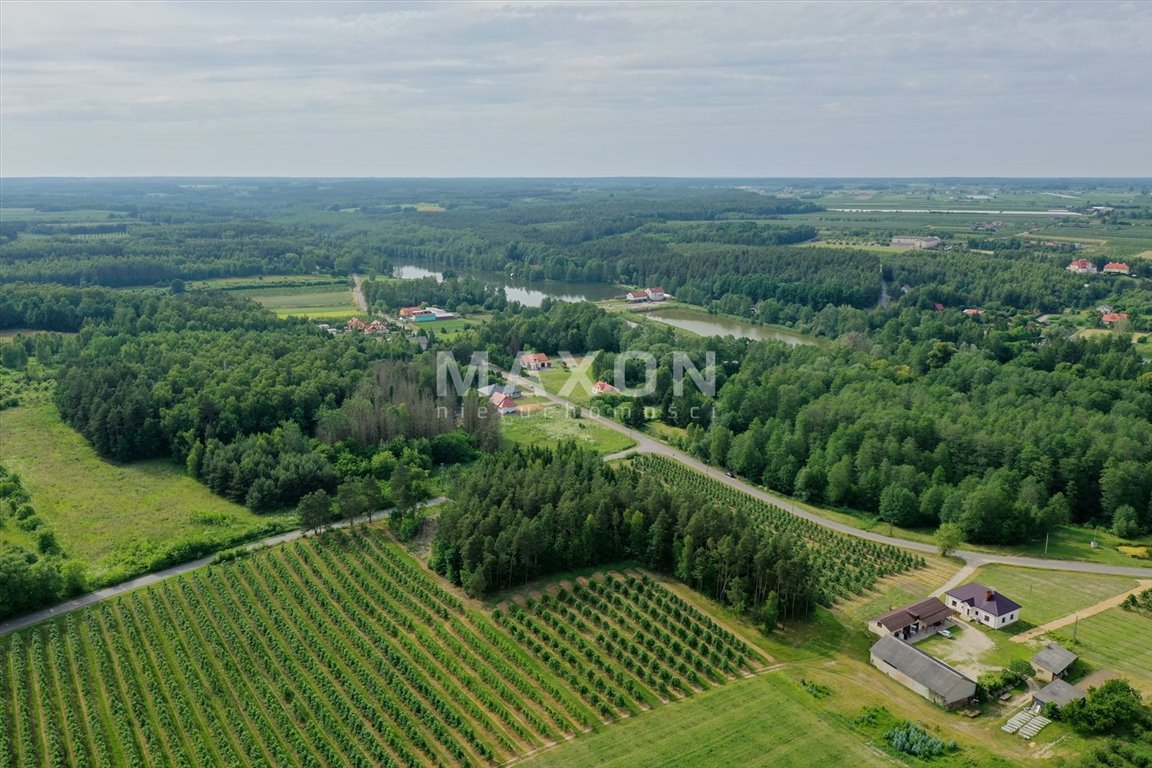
638, 296
976, 602
535, 362
655, 294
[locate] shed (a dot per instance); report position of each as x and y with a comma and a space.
1052, 662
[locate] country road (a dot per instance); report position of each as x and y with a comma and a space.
645, 444
358, 293
100, 595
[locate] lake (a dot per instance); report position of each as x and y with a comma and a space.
530, 293
703, 324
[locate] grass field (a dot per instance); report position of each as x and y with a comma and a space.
553, 424
1048, 595
114, 518
555, 379
761, 721
1115, 640
342, 650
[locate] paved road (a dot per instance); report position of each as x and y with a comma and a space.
100, 595
645, 444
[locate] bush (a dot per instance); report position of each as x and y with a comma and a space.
914, 740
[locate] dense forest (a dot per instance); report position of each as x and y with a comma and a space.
527, 513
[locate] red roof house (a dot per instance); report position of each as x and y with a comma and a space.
1114, 317
973, 311
635, 296
356, 324
502, 403
1116, 268
603, 388
535, 362
1083, 266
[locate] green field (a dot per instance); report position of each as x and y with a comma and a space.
1115, 640
114, 518
761, 721
1048, 595
553, 425
555, 379
342, 650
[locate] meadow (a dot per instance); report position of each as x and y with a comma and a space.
117, 519
1048, 595
553, 424
342, 650
1114, 640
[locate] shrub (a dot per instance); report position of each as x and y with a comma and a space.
914, 740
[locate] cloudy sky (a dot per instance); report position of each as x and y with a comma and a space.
864, 88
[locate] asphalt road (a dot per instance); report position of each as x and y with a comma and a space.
645, 444
12, 625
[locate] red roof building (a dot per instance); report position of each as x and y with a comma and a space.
356, 324
1116, 268
1114, 317
1083, 266
973, 311
502, 403
535, 362
603, 388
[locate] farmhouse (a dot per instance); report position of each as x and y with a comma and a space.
1116, 268
976, 602
909, 241
604, 388
929, 677
925, 616
655, 294
502, 403
508, 390
356, 324
1082, 266
1113, 317
1052, 662
637, 296
535, 362
1058, 693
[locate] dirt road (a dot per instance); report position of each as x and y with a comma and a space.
1071, 618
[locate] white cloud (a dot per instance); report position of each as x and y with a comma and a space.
576, 88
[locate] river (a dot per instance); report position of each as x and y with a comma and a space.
530, 293
703, 324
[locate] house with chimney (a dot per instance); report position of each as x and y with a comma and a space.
976, 602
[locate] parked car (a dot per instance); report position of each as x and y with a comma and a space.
944, 633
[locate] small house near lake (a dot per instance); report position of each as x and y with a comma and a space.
907, 622
929, 677
1053, 662
976, 602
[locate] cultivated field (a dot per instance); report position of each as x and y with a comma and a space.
1116, 641
341, 650
115, 518
761, 721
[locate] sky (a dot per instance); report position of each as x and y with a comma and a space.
747, 89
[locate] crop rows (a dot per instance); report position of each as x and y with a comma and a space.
624, 642
342, 651
845, 566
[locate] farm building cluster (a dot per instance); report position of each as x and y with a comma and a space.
647, 295
425, 314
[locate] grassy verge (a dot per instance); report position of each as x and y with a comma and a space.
117, 519
1116, 641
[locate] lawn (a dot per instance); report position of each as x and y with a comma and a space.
554, 424
762, 721
114, 518
1048, 595
895, 591
555, 379
305, 302
1115, 640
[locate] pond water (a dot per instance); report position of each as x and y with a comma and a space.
704, 324
530, 293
